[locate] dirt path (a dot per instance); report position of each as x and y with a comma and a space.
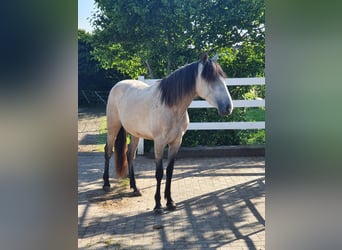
89, 122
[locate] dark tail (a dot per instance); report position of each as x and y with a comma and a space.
120, 151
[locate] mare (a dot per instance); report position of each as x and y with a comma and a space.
158, 112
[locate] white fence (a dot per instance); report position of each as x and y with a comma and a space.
236, 103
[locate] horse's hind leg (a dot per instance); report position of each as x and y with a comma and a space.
111, 136
107, 155
132, 149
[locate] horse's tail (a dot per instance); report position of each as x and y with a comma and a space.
120, 151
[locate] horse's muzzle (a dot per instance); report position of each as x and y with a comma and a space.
225, 110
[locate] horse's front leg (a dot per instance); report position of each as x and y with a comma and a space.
173, 149
158, 154
170, 204
159, 177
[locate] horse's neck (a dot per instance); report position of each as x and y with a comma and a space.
182, 107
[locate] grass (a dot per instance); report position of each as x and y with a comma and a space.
103, 135
255, 114
254, 136
124, 182
109, 243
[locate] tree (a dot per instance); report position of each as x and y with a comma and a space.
228, 23
91, 74
151, 30
161, 35
87, 65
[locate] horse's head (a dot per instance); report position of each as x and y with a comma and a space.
211, 85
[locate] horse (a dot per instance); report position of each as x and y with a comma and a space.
158, 112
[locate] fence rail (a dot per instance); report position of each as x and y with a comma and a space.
236, 103
93, 97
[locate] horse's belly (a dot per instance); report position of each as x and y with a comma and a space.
138, 125
140, 135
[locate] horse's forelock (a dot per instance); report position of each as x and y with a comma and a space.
212, 71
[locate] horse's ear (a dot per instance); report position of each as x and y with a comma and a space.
204, 58
215, 58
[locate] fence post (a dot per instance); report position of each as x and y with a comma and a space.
141, 141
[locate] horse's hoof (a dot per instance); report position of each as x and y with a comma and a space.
157, 226
158, 210
137, 193
172, 206
106, 188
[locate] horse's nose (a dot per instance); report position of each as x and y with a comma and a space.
225, 109
229, 109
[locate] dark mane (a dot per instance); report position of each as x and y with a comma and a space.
212, 71
182, 82
178, 84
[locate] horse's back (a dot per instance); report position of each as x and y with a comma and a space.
121, 87
132, 84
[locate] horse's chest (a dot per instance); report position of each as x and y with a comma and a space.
174, 126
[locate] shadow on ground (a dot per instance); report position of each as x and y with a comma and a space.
214, 219
91, 112
93, 139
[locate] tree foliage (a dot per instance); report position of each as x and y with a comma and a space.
87, 65
91, 74
161, 35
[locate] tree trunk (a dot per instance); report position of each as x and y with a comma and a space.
169, 52
149, 69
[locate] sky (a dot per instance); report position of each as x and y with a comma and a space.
85, 10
